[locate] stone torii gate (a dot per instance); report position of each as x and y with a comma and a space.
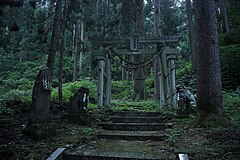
160, 47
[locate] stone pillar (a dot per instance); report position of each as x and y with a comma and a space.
108, 81
165, 78
161, 95
41, 97
172, 80
100, 91
39, 123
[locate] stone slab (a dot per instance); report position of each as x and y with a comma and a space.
121, 149
117, 119
132, 137
137, 114
57, 155
89, 157
135, 126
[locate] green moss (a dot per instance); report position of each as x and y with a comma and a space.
127, 105
34, 154
122, 90
69, 89
64, 140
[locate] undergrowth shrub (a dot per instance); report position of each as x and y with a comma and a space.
149, 87
122, 90
231, 103
145, 105
69, 89
230, 66
230, 69
185, 76
17, 94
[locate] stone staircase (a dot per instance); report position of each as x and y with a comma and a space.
129, 135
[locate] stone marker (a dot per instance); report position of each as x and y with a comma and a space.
79, 100
186, 100
41, 98
77, 112
183, 157
39, 126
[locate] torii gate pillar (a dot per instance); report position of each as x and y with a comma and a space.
172, 71
104, 81
100, 90
107, 83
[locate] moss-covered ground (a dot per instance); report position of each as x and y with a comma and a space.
184, 137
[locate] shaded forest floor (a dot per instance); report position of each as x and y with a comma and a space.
183, 137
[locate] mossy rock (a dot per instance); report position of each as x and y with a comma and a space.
40, 131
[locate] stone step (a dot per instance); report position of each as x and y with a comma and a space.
135, 126
132, 135
136, 114
102, 149
92, 157
116, 119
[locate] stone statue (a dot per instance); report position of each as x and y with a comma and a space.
80, 99
186, 100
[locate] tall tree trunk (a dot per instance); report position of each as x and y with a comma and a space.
209, 86
126, 30
74, 55
81, 48
139, 90
60, 67
157, 18
223, 9
157, 27
62, 50
54, 38
192, 35
41, 95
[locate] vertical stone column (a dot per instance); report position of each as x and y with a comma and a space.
108, 81
160, 76
165, 78
41, 97
172, 79
101, 70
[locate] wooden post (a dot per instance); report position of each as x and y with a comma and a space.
101, 66
108, 81
172, 73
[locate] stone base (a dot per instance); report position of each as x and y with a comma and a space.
79, 117
40, 131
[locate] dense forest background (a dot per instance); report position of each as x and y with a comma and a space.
26, 30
